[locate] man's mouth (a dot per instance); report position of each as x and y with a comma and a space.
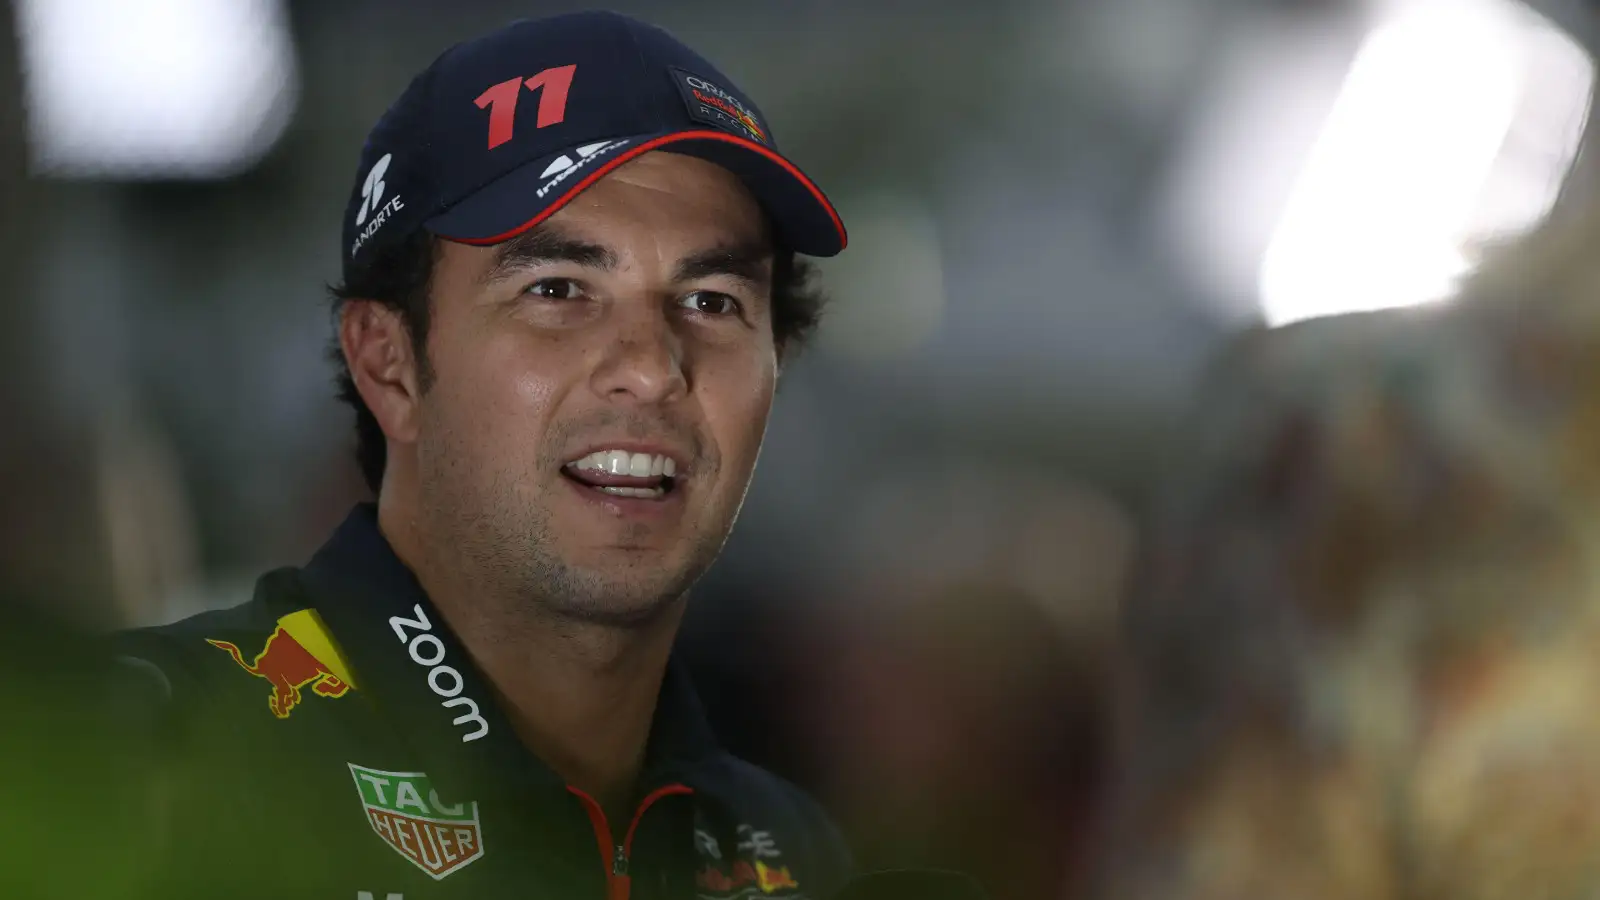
622, 473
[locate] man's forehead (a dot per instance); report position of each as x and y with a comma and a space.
590, 239
747, 256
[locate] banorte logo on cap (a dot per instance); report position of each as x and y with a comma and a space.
372, 205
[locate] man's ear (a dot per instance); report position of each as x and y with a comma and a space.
377, 348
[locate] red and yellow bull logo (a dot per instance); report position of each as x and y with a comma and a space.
732, 110
771, 879
298, 654
768, 879
750, 125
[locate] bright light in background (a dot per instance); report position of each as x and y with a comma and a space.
1457, 122
155, 88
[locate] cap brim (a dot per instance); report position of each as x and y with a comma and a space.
804, 218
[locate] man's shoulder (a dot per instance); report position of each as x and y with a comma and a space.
186, 654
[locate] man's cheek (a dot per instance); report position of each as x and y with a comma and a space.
531, 389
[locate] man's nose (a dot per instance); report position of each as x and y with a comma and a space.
645, 362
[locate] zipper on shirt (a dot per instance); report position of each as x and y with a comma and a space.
618, 882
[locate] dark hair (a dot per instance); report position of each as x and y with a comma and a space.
399, 275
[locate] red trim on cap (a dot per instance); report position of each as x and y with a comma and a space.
646, 147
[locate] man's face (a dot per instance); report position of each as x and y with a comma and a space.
601, 387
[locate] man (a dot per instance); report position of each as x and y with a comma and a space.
569, 281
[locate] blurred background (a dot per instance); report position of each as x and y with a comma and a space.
1202, 416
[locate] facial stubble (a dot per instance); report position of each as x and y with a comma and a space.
489, 522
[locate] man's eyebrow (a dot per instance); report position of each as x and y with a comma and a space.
746, 262
542, 245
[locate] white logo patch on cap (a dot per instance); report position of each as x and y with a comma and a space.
372, 204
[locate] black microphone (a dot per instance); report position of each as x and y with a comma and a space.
912, 884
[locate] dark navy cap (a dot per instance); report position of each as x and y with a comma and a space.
500, 132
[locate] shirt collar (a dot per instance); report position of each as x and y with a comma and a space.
420, 679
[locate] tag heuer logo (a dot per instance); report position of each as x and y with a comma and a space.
404, 810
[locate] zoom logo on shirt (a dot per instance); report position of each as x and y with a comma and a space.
428, 651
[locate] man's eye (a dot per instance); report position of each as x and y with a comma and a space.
711, 303
556, 289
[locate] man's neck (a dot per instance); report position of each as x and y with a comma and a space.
580, 696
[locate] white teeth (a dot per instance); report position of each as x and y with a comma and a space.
621, 462
616, 462
645, 493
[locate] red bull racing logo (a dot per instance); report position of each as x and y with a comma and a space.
708, 102
765, 872
298, 654
728, 106
768, 879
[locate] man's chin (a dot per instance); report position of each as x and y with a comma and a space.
622, 587
618, 610
637, 597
